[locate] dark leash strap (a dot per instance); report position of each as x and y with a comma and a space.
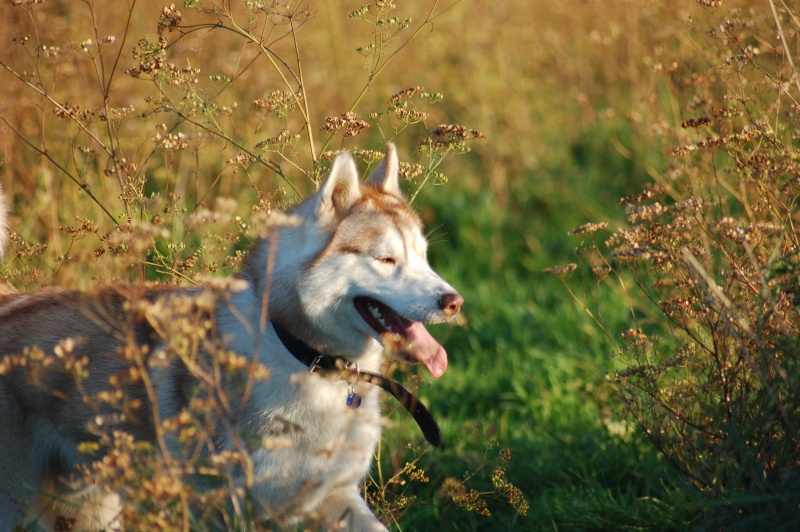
342, 369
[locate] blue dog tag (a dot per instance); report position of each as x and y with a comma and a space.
353, 400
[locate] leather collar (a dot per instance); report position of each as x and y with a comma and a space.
342, 369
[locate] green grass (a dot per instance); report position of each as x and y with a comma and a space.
530, 368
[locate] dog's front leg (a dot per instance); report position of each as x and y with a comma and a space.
344, 509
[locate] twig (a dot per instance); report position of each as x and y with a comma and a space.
43, 93
787, 53
82, 185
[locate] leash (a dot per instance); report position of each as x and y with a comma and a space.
343, 369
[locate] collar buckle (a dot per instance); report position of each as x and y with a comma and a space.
315, 364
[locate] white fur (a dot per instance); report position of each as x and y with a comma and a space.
354, 239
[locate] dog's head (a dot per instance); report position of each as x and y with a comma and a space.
370, 281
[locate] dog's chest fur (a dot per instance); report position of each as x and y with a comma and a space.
310, 440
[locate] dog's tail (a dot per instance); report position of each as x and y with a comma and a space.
3, 223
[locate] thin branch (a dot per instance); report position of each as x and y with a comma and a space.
269, 164
44, 93
380, 68
788, 54
306, 113
44, 153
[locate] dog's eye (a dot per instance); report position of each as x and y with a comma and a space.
386, 260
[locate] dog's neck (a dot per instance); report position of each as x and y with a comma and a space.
342, 369
314, 359
304, 353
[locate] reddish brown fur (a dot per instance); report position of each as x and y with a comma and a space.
373, 202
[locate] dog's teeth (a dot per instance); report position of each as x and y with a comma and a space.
376, 313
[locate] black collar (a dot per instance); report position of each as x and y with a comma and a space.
300, 350
340, 368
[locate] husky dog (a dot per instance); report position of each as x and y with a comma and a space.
318, 303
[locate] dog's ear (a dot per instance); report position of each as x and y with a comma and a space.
385, 176
340, 190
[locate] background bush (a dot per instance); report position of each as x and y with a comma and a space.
687, 298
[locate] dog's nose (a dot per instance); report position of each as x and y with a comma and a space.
451, 304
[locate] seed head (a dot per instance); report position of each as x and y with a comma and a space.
561, 270
588, 228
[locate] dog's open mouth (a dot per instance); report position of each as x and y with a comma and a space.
406, 338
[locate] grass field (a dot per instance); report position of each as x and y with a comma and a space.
580, 103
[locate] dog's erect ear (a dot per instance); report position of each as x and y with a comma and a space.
385, 175
340, 190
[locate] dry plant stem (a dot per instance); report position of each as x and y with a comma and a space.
684, 327
211, 187
172, 272
44, 153
377, 460
432, 166
306, 112
788, 55
221, 134
772, 78
159, 432
273, 58
710, 285
380, 68
44, 93
588, 312
105, 88
236, 74
623, 287
213, 385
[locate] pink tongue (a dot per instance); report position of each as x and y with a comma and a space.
425, 349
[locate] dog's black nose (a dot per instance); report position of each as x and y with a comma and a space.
451, 304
